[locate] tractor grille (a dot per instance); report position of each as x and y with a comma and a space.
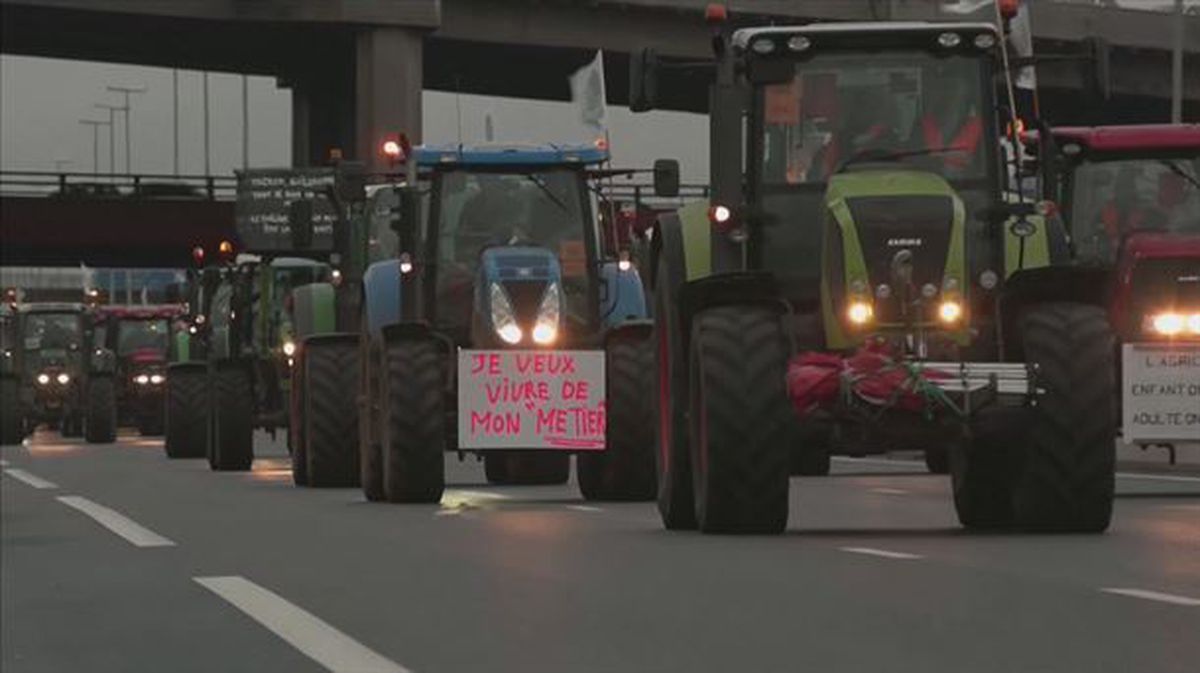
526, 297
888, 224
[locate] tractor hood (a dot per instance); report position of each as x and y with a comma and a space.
884, 219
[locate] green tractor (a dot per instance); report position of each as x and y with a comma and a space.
52, 374
863, 217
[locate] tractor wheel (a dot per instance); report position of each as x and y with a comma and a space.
412, 437
71, 424
937, 459
100, 420
370, 458
1066, 474
740, 420
810, 452
187, 414
981, 469
12, 426
150, 424
625, 469
526, 468
495, 468
330, 413
676, 502
296, 422
231, 435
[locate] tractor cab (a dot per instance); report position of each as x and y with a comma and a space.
1130, 196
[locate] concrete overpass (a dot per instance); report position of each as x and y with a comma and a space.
356, 67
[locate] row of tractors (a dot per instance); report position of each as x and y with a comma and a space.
882, 260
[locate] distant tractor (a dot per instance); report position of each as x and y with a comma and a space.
54, 375
139, 337
865, 277
505, 325
1130, 196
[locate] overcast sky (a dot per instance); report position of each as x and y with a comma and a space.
43, 100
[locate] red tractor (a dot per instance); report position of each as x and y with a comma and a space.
139, 336
1130, 197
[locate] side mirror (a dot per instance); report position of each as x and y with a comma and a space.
350, 180
643, 80
666, 178
300, 220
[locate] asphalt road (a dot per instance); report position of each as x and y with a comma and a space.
196, 571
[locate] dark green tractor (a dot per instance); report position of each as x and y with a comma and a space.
863, 211
53, 374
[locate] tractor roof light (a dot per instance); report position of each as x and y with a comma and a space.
715, 14
1008, 8
763, 46
949, 40
985, 41
799, 43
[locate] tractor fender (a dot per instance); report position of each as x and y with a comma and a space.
685, 237
624, 298
1027, 287
635, 329
313, 310
726, 289
381, 295
331, 338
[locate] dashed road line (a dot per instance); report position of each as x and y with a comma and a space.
301, 629
1159, 477
133, 532
585, 508
29, 479
883, 553
1154, 596
889, 491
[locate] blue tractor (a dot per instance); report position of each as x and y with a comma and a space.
508, 325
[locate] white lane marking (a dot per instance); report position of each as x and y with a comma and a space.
880, 461
1158, 477
319, 641
869, 551
454, 511
889, 491
584, 508
29, 479
133, 532
1154, 596
474, 495
3, 463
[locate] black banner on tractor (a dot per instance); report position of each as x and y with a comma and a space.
264, 205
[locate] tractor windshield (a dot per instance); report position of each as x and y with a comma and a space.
1111, 199
52, 331
910, 108
477, 209
142, 335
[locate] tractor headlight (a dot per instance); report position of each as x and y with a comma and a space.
504, 320
63, 378
43, 378
860, 312
157, 379
950, 311
289, 348
141, 379
1193, 323
1171, 323
545, 330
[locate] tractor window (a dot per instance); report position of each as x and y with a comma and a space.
843, 106
52, 331
1112, 199
142, 335
480, 209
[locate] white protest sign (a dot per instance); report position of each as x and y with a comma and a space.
525, 399
1161, 392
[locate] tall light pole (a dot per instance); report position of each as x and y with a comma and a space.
126, 90
245, 122
1177, 66
95, 124
112, 145
207, 165
175, 117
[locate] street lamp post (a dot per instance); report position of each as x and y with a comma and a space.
112, 145
126, 90
95, 124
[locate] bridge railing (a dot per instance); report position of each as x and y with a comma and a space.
117, 186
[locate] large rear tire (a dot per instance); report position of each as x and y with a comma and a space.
676, 501
296, 445
12, 426
937, 459
1066, 477
741, 420
231, 435
187, 414
370, 459
100, 420
331, 413
412, 437
625, 469
981, 470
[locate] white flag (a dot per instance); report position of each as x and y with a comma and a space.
587, 91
